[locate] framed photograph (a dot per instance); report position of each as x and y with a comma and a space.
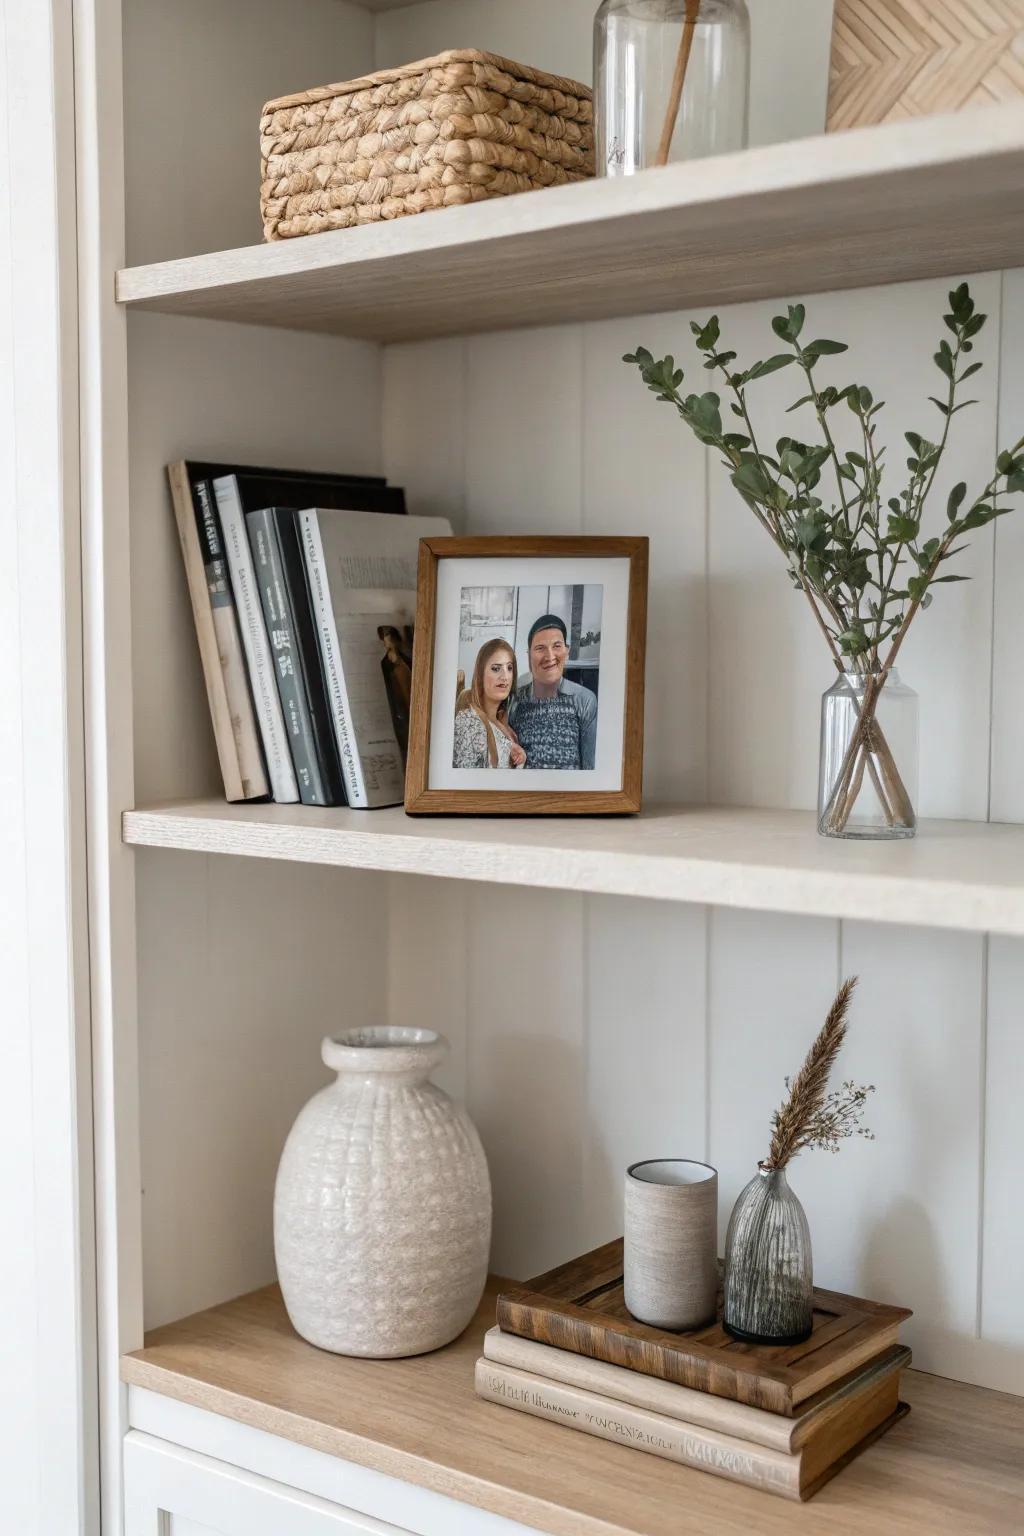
528, 680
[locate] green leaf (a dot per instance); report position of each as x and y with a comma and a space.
903, 530
957, 496
944, 362
751, 480
950, 578
853, 642
961, 303
771, 365
804, 400
817, 349
708, 334
916, 441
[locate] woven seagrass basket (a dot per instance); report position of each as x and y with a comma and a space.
457, 128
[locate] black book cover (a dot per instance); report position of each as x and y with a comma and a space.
201, 470
291, 688
307, 653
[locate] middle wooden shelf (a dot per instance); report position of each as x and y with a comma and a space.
961, 875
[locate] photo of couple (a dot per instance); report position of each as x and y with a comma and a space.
527, 688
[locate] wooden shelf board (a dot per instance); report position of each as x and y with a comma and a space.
875, 205
955, 1465
967, 876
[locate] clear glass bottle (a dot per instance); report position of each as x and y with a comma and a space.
637, 53
769, 1281
867, 774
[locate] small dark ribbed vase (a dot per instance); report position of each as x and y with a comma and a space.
768, 1271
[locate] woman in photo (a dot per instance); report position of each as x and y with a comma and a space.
483, 736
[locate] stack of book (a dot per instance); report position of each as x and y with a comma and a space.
303, 591
782, 1419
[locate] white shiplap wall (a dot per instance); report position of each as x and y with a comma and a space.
590, 1032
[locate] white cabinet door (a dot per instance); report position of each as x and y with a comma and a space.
173, 1492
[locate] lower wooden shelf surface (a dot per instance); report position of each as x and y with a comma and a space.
954, 1467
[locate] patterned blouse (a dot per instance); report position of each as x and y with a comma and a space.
470, 750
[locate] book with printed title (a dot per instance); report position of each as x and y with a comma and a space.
362, 582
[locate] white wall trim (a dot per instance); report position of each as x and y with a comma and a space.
48, 1463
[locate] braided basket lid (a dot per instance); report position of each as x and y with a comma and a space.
494, 61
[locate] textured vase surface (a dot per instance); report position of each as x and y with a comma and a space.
769, 1277
382, 1210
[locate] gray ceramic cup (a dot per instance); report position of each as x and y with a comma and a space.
671, 1243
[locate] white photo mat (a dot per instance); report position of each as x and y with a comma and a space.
452, 575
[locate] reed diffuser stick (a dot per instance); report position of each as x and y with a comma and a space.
678, 80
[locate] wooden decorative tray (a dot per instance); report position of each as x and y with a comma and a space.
580, 1307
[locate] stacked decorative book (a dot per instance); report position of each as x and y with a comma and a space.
783, 1419
303, 590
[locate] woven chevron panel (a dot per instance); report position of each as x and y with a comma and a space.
894, 59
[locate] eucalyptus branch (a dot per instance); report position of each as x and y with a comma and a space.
843, 549
839, 554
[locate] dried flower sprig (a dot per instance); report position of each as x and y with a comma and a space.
811, 1117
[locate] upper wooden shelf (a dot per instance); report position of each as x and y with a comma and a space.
962, 875
938, 196
954, 1466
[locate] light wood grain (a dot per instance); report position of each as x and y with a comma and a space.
955, 1465
962, 875
871, 206
893, 59
581, 1306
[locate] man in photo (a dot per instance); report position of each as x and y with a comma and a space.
554, 720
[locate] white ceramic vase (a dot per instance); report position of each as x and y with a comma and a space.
382, 1210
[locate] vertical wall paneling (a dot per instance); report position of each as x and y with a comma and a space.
907, 1226
424, 424
526, 1069
1008, 643
230, 1051
193, 173
427, 968
770, 982
1002, 1270
645, 1046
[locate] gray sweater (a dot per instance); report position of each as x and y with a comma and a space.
560, 732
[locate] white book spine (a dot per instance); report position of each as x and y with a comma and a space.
256, 643
330, 650
648, 1392
690, 1445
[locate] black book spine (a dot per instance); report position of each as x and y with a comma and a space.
281, 632
307, 652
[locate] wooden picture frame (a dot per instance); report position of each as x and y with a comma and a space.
423, 799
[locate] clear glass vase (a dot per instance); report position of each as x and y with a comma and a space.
769, 1279
867, 774
640, 52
